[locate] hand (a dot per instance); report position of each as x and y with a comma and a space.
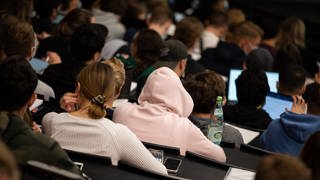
53, 58
298, 105
36, 128
68, 101
43, 35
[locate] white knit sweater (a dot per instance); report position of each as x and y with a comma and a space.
100, 137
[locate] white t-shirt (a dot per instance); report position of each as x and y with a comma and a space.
100, 137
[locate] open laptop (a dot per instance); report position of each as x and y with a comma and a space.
235, 73
276, 104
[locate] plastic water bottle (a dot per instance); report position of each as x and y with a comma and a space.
215, 127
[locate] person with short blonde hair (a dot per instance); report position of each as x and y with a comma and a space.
86, 130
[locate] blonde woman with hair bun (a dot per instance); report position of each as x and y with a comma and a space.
87, 130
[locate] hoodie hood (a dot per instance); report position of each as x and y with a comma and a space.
299, 127
164, 88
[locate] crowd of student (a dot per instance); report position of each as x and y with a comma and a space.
81, 56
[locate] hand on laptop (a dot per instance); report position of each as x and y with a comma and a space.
299, 106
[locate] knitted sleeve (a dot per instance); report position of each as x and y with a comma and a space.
132, 151
198, 143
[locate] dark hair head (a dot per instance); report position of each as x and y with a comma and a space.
18, 82
66, 4
44, 9
161, 15
312, 97
217, 19
281, 167
148, 44
135, 9
118, 7
291, 78
310, 154
252, 88
204, 87
259, 60
87, 40
97, 80
188, 31
21, 9
73, 20
18, 39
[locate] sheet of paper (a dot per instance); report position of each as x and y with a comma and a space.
36, 104
239, 174
119, 102
247, 135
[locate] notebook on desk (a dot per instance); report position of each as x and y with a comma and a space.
235, 73
276, 104
242, 174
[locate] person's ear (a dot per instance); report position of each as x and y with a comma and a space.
224, 102
302, 90
78, 88
244, 66
96, 56
31, 54
32, 99
183, 64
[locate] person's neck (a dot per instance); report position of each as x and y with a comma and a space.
270, 42
83, 108
20, 112
288, 93
202, 115
213, 31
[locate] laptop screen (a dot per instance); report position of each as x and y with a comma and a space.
235, 73
276, 104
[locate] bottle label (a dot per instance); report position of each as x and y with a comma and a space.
215, 134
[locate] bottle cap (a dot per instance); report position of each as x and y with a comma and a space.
219, 98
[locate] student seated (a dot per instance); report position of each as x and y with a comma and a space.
86, 130
18, 82
282, 167
85, 46
161, 117
204, 89
288, 134
310, 154
252, 89
292, 80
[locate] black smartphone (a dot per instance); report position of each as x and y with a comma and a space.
172, 164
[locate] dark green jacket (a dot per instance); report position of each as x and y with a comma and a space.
27, 145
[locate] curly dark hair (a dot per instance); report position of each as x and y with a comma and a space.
204, 87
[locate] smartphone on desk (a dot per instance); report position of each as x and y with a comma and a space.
172, 164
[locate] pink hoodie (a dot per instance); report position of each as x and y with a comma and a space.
162, 116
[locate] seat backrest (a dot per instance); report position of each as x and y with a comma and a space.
38, 170
166, 149
99, 167
254, 150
